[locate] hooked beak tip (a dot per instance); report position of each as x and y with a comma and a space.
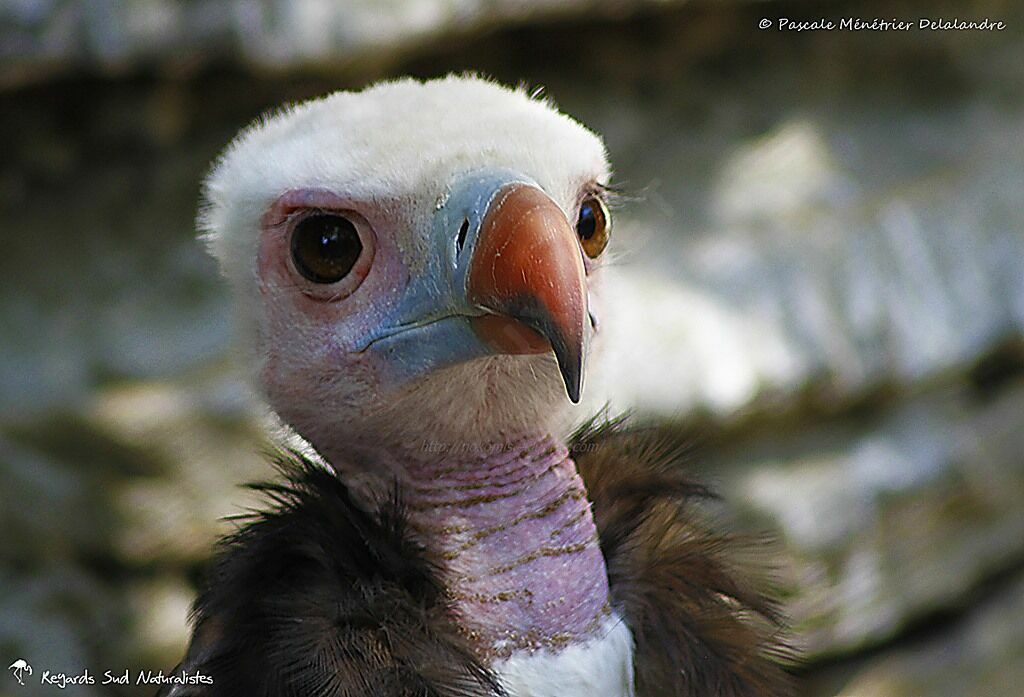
572, 377
527, 267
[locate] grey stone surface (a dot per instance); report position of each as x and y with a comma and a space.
982, 654
206, 442
891, 520
43, 37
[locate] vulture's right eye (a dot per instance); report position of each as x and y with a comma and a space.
325, 247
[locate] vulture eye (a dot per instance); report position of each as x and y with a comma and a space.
594, 226
325, 247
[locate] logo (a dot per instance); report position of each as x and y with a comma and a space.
19, 668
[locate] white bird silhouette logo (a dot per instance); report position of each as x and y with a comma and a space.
19, 667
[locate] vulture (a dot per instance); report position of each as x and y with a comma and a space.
416, 272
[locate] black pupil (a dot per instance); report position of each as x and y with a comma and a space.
325, 247
586, 226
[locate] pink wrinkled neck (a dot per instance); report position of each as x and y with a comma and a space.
514, 528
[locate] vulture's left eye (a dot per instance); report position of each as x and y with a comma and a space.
325, 247
594, 226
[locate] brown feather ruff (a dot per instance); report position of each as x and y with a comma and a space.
701, 623
317, 597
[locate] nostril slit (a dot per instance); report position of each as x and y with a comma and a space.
460, 241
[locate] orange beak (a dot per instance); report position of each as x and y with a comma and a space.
527, 274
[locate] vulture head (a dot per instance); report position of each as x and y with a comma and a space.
415, 262
415, 269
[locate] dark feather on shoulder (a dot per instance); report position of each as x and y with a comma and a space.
317, 597
701, 622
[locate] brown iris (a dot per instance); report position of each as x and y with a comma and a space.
325, 247
594, 226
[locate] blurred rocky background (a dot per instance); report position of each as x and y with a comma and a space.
820, 278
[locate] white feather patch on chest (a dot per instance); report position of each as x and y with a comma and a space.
599, 667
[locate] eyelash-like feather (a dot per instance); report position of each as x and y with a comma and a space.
618, 195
